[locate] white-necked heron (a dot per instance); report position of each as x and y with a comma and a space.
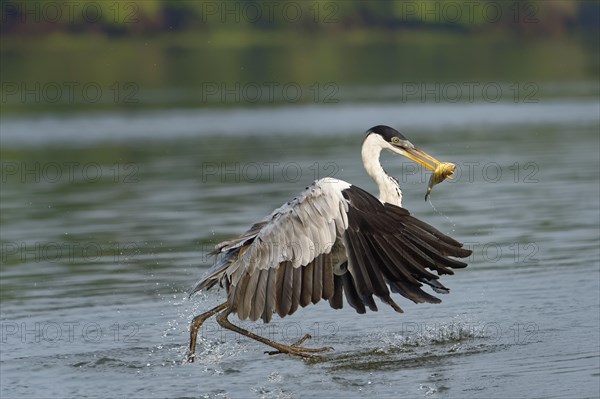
333, 240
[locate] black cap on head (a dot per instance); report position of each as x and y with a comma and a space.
386, 132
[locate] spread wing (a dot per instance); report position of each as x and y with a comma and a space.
285, 260
387, 247
333, 240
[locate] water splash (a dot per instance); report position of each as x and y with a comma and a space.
442, 214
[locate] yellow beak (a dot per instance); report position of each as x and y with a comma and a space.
421, 157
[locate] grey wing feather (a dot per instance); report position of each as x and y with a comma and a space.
295, 236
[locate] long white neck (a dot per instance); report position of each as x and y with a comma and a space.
389, 188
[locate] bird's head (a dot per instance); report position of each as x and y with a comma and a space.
392, 140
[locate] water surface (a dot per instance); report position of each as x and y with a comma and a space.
107, 221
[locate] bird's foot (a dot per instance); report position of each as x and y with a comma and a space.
297, 350
189, 357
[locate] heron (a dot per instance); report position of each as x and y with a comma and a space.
334, 240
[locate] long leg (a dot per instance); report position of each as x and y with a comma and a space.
293, 350
195, 326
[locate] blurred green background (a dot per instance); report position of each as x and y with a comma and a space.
131, 55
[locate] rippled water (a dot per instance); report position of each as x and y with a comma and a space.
106, 227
